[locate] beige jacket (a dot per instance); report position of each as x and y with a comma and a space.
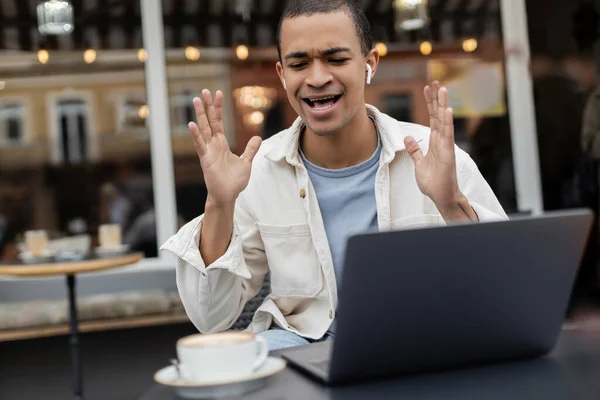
278, 228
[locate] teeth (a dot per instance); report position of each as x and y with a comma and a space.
316, 107
323, 98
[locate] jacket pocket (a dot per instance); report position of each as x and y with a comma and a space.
417, 221
293, 261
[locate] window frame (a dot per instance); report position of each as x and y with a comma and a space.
120, 97
53, 105
73, 112
178, 103
25, 124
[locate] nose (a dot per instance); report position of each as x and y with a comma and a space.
318, 75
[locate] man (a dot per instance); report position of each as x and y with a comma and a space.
343, 167
591, 125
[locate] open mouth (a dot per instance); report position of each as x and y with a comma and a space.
322, 103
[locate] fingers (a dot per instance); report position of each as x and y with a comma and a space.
203, 126
435, 88
209, 115
440, 116
216, 124
199, 141
251, 149
219, 108
442, 105
449, 123
413, 149
429, 100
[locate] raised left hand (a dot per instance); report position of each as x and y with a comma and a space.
436, 171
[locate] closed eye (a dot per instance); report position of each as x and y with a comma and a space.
297, 65
338, 60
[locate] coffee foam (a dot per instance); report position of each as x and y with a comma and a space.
216, 339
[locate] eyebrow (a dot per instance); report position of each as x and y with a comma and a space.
329, 52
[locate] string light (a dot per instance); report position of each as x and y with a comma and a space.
89, 56
43, 56
426, 48
192, 53
142, 55
469, 45
255, 97
242, 52
382, 49
144, 112
255, 118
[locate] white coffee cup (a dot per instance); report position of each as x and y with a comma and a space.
221, 357
37, 242
109, 235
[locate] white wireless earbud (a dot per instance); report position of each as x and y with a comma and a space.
369, 72
284, 85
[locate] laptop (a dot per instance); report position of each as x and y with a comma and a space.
436, 298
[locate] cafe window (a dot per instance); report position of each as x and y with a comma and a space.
73, 132
398, 106
182, 109
12, 124
132, 114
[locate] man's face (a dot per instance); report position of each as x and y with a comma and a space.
324, 70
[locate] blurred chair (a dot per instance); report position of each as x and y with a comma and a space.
248, 313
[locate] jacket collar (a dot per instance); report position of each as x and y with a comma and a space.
392, 134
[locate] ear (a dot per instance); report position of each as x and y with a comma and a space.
279, 69
372, 61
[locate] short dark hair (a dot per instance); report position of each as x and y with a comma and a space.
302, 8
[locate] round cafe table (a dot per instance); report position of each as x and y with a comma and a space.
70, 269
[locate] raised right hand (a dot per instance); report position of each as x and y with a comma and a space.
225, 174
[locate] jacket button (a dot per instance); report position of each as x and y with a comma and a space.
302, 193
330, 314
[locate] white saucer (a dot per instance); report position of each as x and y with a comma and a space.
209, 390
112, 251
70, 256
29, 258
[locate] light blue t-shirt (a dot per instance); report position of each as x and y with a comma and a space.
347, 202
